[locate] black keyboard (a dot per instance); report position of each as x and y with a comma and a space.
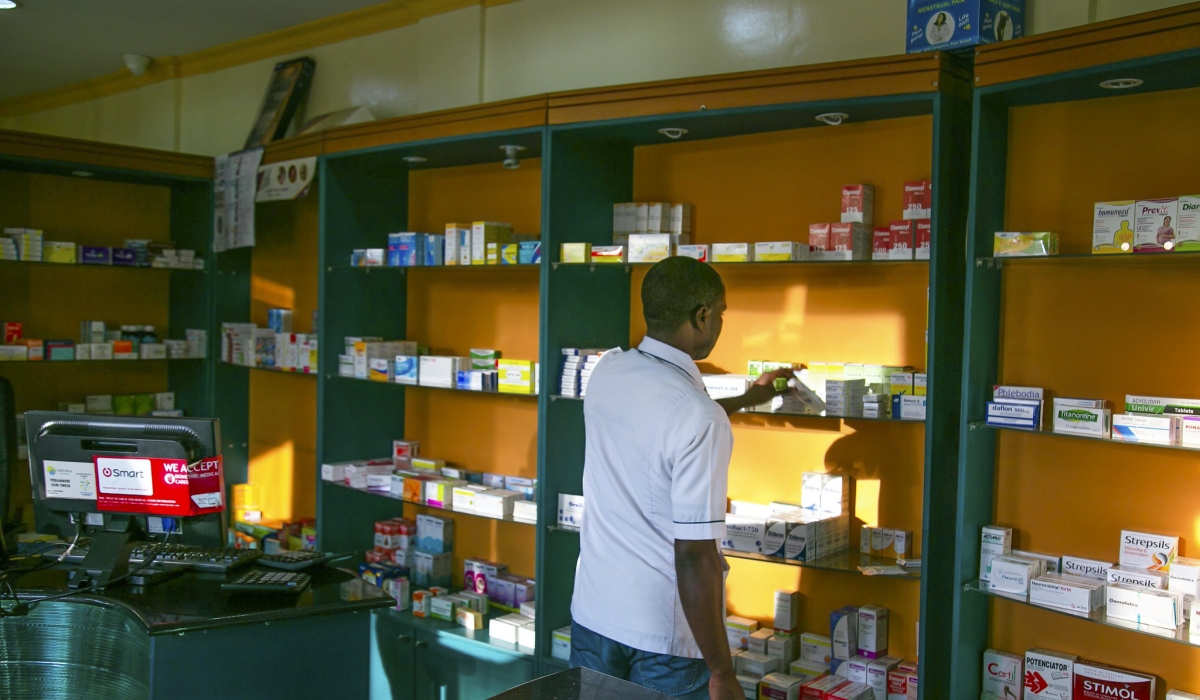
216, 559
289, 560
257, 581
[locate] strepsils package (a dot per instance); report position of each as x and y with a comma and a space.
1140, 550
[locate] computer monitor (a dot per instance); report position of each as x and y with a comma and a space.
62, 447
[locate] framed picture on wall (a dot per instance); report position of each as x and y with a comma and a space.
286, 91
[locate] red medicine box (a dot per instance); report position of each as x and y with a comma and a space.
902, 240
918, 199
818, 238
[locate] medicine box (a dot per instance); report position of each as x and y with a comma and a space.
1067, 593
608, 254
843, 633
1084, 422
872, 631
807, 670
1011, 576
650, 247
877, 674
903, 239
855, 669
1101, 682
815, 647
918, 200
576, 252
849, 241
1141, 578
697, 252
1140, 550
1048, 675
1154, 405
430, 569
1187, 226
1155, 430
738, 631
783, 647
486, 239
744, 534
757, 641
570, 510
995, 542
560, 643
881, 243
732, 252
1112, 228
779, 251
858, 204
1154, 225
787, 610
1024, 244
435, 534
529, 252
779, 686
515, 376
1024, 415
1002, 674
937, 25
754, 665
496, 503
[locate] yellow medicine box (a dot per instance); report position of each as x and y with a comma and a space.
510, 254
58, 252
1011, 244
576, 252
515, 376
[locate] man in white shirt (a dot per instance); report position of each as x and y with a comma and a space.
648, 604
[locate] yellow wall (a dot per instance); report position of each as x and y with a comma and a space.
283, 407
452, 311
517, 49
1100, 331
771, 187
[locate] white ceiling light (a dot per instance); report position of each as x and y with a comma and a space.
136, 63
832, 118
82, 173
8, 4
673, 132
1120, 83
414, 159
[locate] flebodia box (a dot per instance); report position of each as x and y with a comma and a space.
940, 25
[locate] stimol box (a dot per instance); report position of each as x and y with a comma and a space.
1154, 225
1095, 681
1112, 228
937, 25
1002, 674
1048, 674
1140, 550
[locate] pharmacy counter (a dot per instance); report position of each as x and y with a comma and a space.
188, 638
579, 684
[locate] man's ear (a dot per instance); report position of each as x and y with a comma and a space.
701, 317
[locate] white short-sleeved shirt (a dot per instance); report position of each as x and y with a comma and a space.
656, 470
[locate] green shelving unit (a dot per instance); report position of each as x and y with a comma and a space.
589, 166
991, 169
191, 292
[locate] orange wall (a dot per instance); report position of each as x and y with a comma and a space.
51, 301
451, 311
1097, 331
283, 407
771, 187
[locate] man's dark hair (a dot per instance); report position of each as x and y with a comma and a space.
675, 288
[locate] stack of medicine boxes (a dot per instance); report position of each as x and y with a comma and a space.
816, 527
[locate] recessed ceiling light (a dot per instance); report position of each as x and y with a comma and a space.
512, 159
414, 159
1121, 83
82, 173
832, 118
9, 4
673, 132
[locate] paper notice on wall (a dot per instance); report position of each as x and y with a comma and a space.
235, 184
287, 180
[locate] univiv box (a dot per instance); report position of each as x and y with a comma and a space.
1112, 228
938, 25
1095, 681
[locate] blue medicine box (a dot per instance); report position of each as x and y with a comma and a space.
942, 25
529, 252
405, 249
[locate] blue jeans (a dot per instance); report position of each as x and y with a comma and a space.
670, 675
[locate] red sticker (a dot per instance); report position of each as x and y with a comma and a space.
153, 486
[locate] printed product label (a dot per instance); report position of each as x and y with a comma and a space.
76, 480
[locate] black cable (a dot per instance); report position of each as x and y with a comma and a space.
150, 557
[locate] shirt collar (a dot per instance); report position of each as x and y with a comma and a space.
672, 355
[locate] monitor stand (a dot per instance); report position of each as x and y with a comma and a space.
108, 555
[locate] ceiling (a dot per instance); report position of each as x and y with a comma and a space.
46, 44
